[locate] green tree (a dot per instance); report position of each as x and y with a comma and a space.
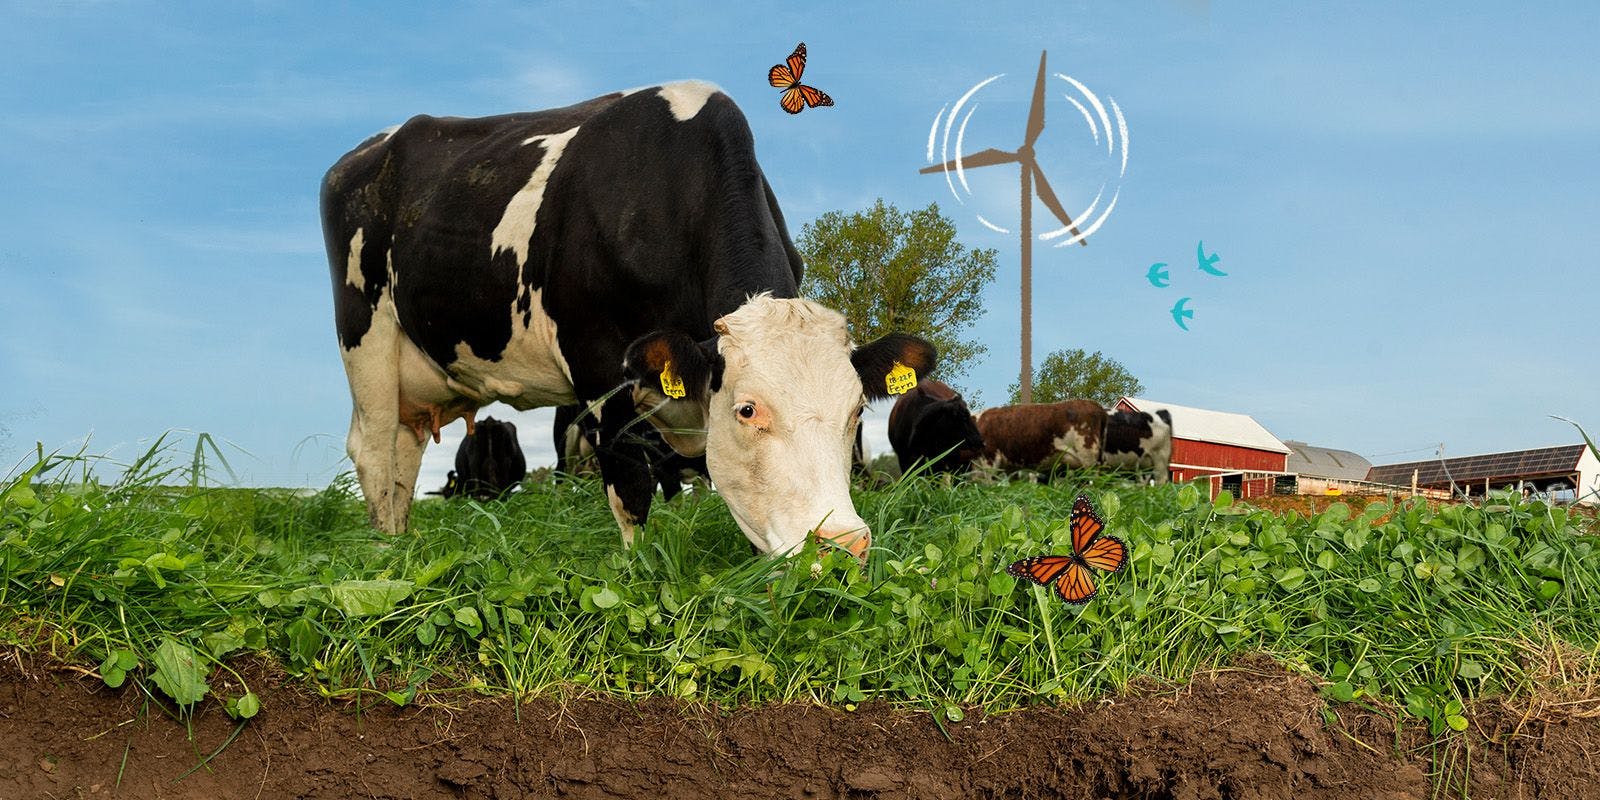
890, 271
1077, 375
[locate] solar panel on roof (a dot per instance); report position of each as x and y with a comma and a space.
1490, 466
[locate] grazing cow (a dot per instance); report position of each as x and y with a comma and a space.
1043, 436
489, 462
932, 423
576, 435
551, 257
1138, 440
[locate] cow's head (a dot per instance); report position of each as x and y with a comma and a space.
943, 425
773, 400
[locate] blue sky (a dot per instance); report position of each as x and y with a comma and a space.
1404, 198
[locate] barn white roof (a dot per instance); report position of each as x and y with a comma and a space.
1220, 427
1326, 462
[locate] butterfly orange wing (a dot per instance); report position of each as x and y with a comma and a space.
1076, 584
797, 61
1107, 553
1086, 524
814, 97
1040, 569
788, 73
780, 76
792, 100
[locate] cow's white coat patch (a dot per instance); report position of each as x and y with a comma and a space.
530, 372
625, 521
352, 262
1154, 451
1075, 449
686, 98
516, 224
379, 138
385, 453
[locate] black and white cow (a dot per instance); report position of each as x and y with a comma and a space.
1139, 440
576, 436
547, 258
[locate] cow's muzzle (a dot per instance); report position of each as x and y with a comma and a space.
855, 540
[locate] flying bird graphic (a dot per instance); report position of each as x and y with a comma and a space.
1158, 275
1208, 263
1179, 313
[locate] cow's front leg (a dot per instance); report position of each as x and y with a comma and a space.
625, 465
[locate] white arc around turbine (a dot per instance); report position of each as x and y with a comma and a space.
1033, 182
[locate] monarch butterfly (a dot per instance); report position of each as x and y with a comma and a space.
1074, 581
786, 76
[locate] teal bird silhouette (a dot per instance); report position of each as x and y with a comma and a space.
1157, 275
1179, 313
1208, 263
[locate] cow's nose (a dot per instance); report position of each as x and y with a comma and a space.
856, 539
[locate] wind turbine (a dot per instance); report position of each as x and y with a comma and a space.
1031, 175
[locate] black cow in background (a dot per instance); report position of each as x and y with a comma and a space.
576, 437
489, 462
930, 420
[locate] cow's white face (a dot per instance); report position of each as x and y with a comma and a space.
781, 427
781, 400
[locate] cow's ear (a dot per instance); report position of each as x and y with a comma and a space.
895, 361
675, 365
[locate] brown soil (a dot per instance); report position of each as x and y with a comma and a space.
1254, 732
1307, 505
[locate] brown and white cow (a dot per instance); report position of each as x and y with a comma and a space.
1139, 441
1045, 437
625, 253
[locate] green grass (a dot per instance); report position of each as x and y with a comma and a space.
166, 585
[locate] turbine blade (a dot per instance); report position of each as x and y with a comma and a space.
1048, 197
1036, 111
982, 158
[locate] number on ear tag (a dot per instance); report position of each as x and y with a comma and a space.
671, 385
901, 379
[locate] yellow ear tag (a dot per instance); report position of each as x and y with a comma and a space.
671, 385
901, 379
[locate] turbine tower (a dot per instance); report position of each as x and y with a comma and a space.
1033, 180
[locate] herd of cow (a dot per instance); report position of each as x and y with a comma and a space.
930, 427
931, 424
626, 257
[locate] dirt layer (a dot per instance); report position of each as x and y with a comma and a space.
1252, 733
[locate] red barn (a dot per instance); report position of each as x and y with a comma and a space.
1237, 453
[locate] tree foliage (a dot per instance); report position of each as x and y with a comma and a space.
890, 271
1077, 375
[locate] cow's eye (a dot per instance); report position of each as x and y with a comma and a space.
745, 410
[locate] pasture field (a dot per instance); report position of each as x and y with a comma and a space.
197, 598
